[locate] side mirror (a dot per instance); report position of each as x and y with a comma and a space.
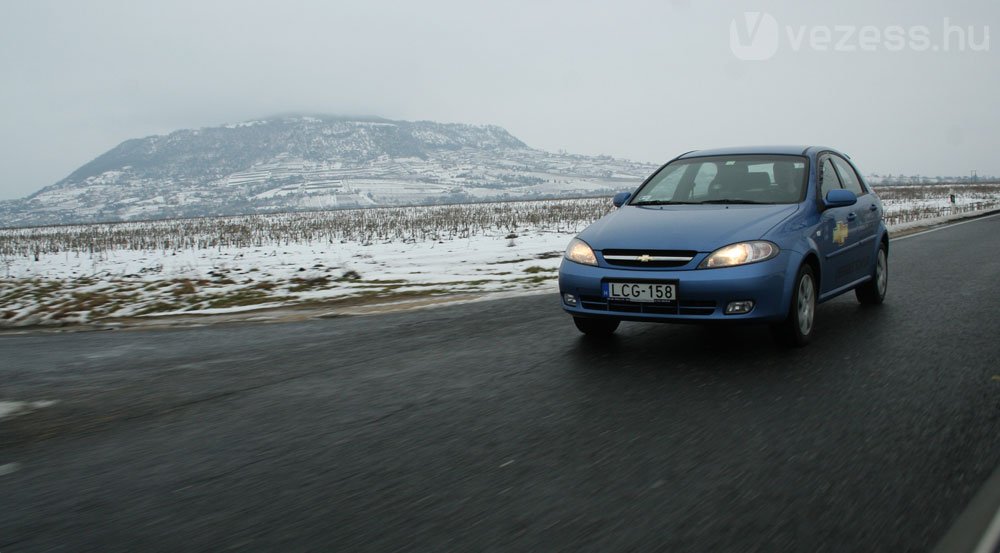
620, 198
839, 198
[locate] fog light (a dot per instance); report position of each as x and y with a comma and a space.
739, 307
570, 299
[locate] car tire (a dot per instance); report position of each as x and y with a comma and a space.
597, 328
797, 328
873, 291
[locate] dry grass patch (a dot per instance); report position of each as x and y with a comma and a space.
243, 297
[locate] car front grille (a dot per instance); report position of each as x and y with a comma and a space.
689, 307
648, 258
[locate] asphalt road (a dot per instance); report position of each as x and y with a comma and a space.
495, 426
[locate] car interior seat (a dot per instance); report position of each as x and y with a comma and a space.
788, 178
727, 181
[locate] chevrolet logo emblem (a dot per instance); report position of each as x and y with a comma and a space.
644, 258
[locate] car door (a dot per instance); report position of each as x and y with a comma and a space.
837, 234
867, 214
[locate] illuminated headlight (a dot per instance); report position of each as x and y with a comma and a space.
579, 252
740, 254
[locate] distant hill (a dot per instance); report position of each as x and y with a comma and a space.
313, 162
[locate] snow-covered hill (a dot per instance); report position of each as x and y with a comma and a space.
313, 162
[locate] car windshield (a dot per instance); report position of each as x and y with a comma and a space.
736, 179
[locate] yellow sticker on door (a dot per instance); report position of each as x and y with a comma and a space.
840, 233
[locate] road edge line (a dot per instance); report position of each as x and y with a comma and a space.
977, 529
943, 226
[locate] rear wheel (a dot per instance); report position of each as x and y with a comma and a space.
596, 327
797, 328
873, 291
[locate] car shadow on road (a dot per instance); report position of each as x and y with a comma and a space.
673, 347
640, 347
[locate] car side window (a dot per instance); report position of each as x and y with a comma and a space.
706, 174
828, 178
766, 168
848, 176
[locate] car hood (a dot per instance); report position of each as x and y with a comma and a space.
702, 228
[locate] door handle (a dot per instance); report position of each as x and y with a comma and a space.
851, 216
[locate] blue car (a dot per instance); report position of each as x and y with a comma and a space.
748, 235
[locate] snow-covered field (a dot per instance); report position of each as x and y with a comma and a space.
907, 206
73, 274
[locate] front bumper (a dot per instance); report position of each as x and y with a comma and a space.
702, 294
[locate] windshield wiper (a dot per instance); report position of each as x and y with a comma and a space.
663, 202
731, 202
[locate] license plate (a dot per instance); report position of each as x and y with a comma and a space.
640, 291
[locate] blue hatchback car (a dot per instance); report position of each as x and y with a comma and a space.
759, 234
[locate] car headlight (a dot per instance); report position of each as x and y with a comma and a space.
740, 254
579, 252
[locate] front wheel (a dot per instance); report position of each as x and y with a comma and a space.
797, 328
596, 327
873, 291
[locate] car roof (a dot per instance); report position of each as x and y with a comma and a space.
788, 150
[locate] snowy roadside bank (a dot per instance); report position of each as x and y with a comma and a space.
231, 280
114, 272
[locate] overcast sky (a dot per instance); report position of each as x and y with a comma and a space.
640, 80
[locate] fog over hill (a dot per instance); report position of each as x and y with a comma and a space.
313, 162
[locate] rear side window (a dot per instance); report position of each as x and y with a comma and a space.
828, 177
848, 177
706, 174
765, 168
